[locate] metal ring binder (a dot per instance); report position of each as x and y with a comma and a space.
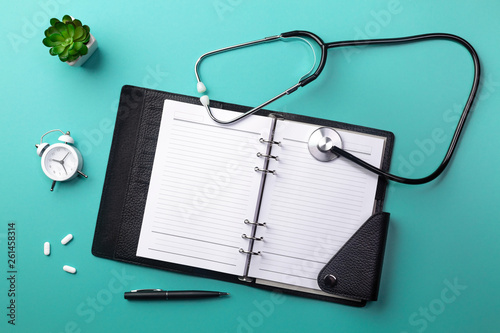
261, 140
267, 156
263, 224
249, 252
254, 238
265, 170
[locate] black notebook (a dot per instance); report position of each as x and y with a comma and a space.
244, 202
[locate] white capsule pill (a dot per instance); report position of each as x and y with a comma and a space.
46, 248
69, 269
66, 239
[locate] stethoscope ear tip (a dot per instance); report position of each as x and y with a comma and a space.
205, 101
201, 87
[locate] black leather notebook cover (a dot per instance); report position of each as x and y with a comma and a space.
356, 268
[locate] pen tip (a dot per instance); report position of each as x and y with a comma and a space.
223, 294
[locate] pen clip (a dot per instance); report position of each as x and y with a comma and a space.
144, 290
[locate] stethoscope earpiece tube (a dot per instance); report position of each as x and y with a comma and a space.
205, 101
321, 44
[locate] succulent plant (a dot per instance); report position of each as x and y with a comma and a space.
67, 39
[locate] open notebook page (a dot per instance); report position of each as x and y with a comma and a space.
312, 208
203, 186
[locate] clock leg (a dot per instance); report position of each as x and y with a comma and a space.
82, 174
53, 184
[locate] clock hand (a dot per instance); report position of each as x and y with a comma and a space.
62, 163
65, 156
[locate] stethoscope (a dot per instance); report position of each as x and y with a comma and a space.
325, 144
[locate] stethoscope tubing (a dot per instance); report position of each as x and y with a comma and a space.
461, 121
322, 62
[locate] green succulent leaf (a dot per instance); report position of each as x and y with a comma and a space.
66, 19
58, 49
84, 50
56, 38
64, 56
73, 51
86, 27
71, 29
47, 42
51, 51
77, 23
65, 53
63, 29
79, 34
77, 46
53, 21
50, 31
86, 40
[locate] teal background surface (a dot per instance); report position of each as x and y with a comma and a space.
441, 265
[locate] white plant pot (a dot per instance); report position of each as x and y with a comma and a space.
92, 46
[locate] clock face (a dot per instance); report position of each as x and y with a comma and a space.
61, 162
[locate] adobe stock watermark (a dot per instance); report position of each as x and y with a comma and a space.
425, 315
380, 20
305, 268
34, 26
242, 156
428, 145
487, 87
94, 304
95, 136
222, 7
262, 310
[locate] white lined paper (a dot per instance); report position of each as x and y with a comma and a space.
203, 186
312, 208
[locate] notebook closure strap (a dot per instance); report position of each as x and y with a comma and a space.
354, 272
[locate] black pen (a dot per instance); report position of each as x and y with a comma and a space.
159, 294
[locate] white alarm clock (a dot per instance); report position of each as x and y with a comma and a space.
61, 161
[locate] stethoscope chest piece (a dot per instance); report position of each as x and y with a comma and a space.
322, 141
